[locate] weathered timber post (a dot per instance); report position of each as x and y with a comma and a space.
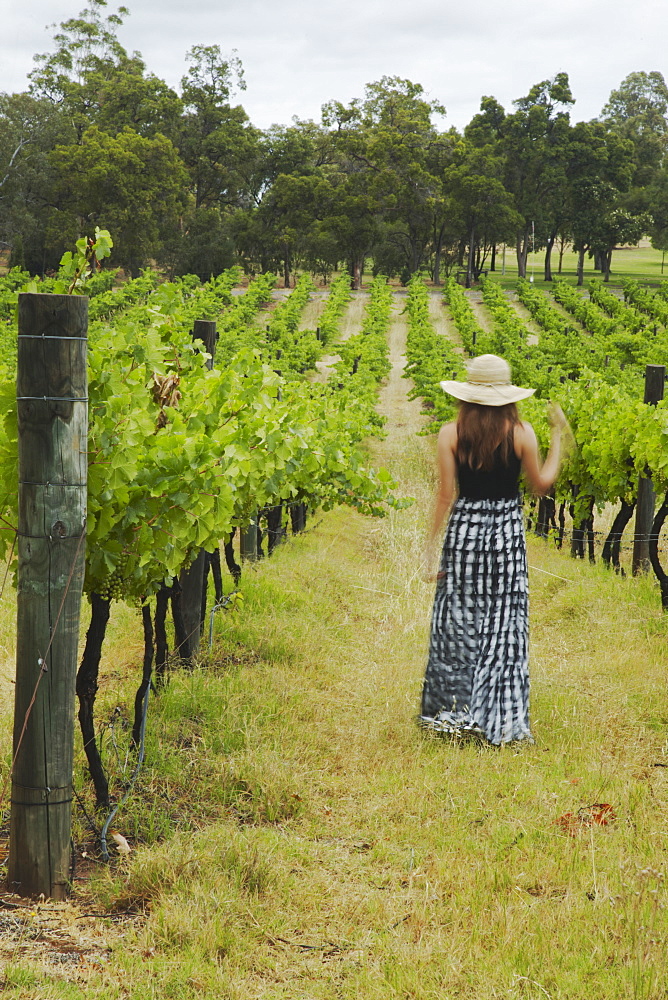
654, 381
193, 579
52, 404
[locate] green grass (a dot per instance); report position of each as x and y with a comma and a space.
641, 263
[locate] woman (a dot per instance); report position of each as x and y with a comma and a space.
477, 678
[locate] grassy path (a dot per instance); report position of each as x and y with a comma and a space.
479, 309
442, 320
531, 325
342, 854
350, 324
313, 310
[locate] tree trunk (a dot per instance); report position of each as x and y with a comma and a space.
589, 527
562, 249
578, 541
161, 647
191, 590
298, 517
461, 250
614, 539
180, 633
205, 591
469, 267
275, 530
522, 251
581, 264
214, 559
232, 565
548, 256
661, 575
436, 271
143, 689
546, 512
562, 524
492, 263
86, 691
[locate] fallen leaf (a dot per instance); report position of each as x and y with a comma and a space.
598, 814
122, 845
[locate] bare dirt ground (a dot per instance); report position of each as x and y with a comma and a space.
69, 940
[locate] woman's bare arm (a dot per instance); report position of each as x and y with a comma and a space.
447, 488
541, 477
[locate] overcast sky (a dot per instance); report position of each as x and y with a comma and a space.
298, 54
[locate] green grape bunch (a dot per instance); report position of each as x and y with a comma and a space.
113, 587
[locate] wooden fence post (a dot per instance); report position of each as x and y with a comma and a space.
52, 390
193, 579
654, 381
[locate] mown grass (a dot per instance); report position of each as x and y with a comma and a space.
296, 836
642, 263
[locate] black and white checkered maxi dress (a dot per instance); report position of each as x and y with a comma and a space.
477, 678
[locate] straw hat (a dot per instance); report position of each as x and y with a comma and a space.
488, 383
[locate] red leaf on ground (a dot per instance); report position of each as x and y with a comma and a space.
598, 814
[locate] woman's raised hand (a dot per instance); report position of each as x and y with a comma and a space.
556, 417
558, 422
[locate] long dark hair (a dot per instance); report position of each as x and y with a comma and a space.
480, 431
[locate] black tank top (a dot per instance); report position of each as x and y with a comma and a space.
500, 483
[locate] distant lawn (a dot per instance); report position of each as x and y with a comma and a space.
642, 263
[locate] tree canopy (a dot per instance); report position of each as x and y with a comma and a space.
185, 179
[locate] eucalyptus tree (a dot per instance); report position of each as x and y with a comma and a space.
87, 53
600, 169
134, 186
638, 111
656, 203
218, 144
216, 139
106, 163
480, 202
535, 141
288, 194
29, 128
386, 146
